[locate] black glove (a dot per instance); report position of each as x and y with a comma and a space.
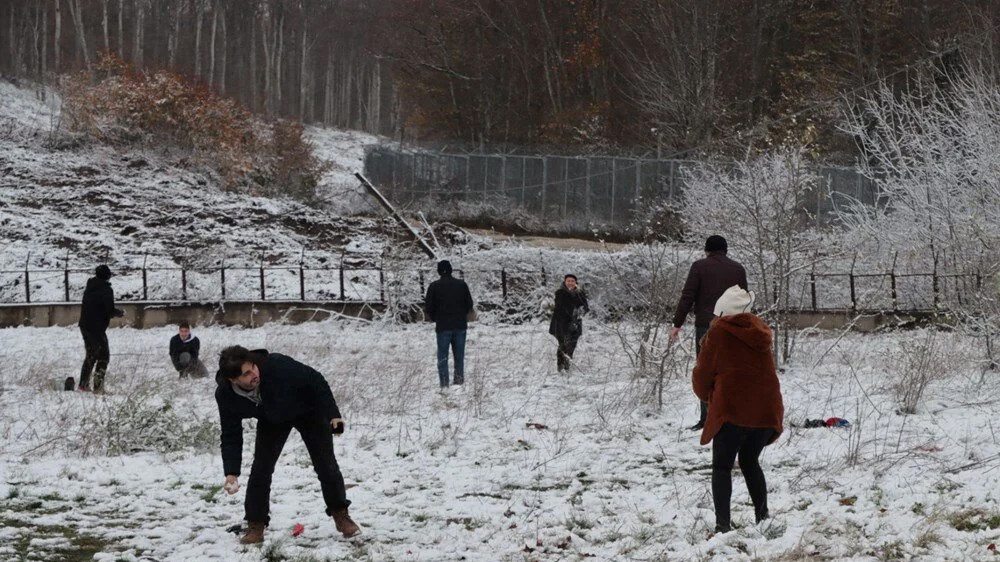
338, 428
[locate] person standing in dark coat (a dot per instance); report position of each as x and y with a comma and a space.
96, 312
184, 349
708, 278
567, 319
448, 304
282, 394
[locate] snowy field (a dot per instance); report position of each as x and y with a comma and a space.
524, 464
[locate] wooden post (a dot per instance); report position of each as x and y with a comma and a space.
420, 275
341, 276
184, 283
812, 283
66, 281
854, 302
381, 282
262, 293
302, 277
503, 283
27, 285
545, 180
222, 272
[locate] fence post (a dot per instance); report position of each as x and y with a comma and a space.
27, 284
341, 276
66, 279
420, 275
381, 282
545, 280
503, 283
934, 282
524, 177
262, 293
892, 282
184, 283
565, 203
586, 193
468, 174
638, 185
545, 180
302, 277
145, 284
854, 301
614, 170
812, 283
222, 271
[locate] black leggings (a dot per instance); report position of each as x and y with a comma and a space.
747, 443
271, 438
96, 361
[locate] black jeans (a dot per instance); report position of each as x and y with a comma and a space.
699, 333
567, 345
96, 361
747, 443
315, 432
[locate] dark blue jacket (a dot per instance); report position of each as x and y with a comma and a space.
289, 390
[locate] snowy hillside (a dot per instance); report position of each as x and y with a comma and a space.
60, 196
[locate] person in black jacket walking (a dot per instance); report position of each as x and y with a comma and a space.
707, 280
282, 394
567, 319
96, 312
448, 304
184, 349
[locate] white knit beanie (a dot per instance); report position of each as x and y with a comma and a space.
734, 301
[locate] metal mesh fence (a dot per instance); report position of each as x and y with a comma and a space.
603, 189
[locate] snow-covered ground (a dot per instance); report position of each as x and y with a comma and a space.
524, 464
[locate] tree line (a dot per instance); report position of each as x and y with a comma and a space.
685, 76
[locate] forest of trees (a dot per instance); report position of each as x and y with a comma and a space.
684, 76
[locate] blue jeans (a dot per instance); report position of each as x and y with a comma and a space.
456, 340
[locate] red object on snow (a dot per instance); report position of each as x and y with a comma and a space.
297, 529
992, 547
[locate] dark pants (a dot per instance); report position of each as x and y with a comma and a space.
96, 361
315, 432
567, 345
454, 340
190, 367
699, 333
747, 443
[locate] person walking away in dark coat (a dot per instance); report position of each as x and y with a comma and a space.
448, 304
567, 319
735, 374
96, 312
707, 279
281, 394
184, 349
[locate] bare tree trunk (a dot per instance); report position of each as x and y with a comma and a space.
304, 74
104, 25
36, 62
253, 64
327, 99
222, 53
45, 41
81, 33
277, 64
12, 42
211, 43
140, 23
199, 13
174, 34
57, 38
121, 29
268, 65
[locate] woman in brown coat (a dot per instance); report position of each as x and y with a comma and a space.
735, 374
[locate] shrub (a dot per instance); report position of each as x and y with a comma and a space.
162, 109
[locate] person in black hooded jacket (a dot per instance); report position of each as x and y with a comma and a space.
96, 312
282, 394
567, 319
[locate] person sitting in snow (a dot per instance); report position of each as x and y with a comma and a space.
736, 376
184, 348
282, 394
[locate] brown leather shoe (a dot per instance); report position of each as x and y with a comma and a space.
345, 524
254, 534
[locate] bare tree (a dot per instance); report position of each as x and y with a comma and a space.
759, 205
